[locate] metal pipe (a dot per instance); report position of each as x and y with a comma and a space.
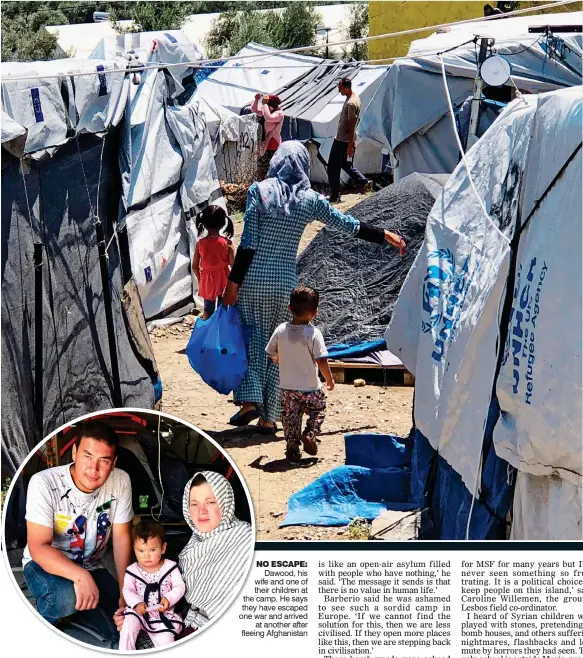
477, 95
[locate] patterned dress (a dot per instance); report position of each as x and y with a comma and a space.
272, 275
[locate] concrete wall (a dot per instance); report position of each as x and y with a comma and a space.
395, 16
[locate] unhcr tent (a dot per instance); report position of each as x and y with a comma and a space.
408, 114
310, 99
160, 455
489, 321
74, 338
73, 332
167, 167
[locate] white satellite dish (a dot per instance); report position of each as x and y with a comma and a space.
495, 71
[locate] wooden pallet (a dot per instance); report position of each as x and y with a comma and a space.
346, 372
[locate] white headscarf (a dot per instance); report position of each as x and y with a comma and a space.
288, 178
213, 564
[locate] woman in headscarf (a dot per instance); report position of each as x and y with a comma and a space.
215, 560
264, 272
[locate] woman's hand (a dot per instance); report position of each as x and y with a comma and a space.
265, 99
396, 241
257, 97
231, 294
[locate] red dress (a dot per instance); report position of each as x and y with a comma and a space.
214, 266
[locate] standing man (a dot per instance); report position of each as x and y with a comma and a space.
71, 512
344, 145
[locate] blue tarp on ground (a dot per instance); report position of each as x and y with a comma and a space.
345, 351
383, 471
357, 490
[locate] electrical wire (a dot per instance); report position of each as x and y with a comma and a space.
207, 63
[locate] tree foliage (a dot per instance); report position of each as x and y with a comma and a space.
358, 28
24, 37
294, 27
150, 16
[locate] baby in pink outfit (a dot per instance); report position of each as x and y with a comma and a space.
151, 588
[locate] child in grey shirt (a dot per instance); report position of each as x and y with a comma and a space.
299, 349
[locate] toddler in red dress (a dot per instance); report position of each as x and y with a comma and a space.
213, 256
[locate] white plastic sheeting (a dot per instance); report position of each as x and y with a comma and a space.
51, 116
234, 139
409, 113
546, 508
234, 88
154, 159
445, 325
539, 387
168, 174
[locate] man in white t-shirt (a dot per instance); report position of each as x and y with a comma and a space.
71, 512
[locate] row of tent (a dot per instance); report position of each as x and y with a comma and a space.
107, 171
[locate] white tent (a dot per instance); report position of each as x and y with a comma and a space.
508, 268
234, 87
157, 156
409, 115
80, 39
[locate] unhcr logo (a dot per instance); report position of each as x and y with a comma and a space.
444, 290
521, 338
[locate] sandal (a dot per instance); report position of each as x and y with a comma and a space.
293, 456
266, 430
239, 419
310, 446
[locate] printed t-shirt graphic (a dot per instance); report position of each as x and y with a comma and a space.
81, 522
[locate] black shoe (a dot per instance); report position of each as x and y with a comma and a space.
266, 430
240, 420
293, 456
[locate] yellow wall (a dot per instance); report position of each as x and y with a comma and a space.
395, 16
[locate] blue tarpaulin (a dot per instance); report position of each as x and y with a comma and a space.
376, 477
345, 351
383, 472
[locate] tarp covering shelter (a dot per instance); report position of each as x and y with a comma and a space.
481, 319
408, 114
67, 348
358, 281
159, 152
307, 87
59, 329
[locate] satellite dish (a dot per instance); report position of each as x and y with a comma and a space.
495, 71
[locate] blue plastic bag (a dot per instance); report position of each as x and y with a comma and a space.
216, 350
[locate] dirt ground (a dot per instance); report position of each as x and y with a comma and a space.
271, 481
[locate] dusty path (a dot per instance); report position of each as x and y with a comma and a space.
260, 458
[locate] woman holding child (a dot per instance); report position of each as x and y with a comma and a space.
211, 567
264, 272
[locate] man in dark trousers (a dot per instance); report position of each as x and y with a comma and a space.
345, 143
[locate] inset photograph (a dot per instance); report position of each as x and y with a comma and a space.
128, 530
